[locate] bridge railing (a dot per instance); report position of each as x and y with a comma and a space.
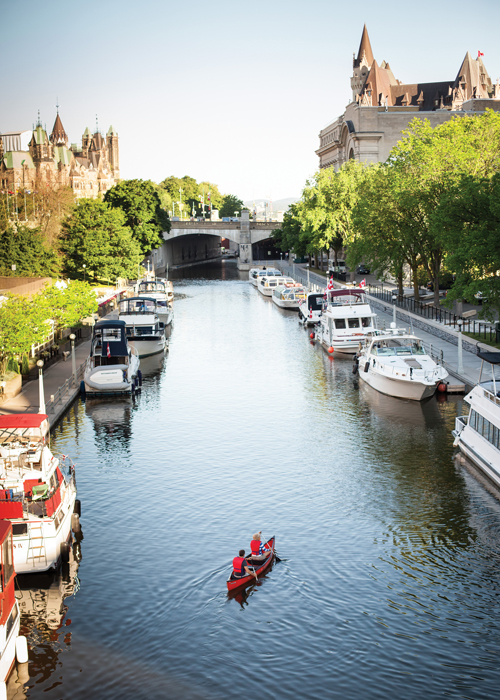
225, 224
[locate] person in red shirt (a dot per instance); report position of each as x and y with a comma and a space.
240, 566
258, 551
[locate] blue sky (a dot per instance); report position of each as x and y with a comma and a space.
231, 92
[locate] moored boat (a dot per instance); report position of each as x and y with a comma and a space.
145, 332
163, 293
267, 285
288, 296
478, 434
311, 307
345, 321
37, 492
257, 272
396, 363
259, 568
113, 366
11, 644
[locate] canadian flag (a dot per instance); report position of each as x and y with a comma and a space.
310, 313
362, 284
330, 284
109, 351
480, 53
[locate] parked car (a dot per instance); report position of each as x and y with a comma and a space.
480, 297
362, 270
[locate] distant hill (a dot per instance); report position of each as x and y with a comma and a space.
277, 205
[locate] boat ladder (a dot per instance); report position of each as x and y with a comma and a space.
36, 543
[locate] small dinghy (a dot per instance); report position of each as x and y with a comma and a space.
259, 567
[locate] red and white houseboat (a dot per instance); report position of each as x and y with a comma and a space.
11, 644
37, 493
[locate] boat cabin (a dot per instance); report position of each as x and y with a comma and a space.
274, 281
157, 287
109, 344
315, 301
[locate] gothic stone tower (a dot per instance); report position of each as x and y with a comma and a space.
113, 155
361, 65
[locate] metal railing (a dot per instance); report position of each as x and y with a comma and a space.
66, 391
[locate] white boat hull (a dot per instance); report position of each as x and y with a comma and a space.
111, 379
8, 653
27, 558
293, 305
480, 452
146, 347
399, 388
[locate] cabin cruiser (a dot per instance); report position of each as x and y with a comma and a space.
478, 434
163, 292
11, 644
311, 307
396, 363
256, 273
266, 285
345, 321
37, 493
113, 366
145, 332
289, 295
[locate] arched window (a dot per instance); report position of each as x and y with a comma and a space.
351, 154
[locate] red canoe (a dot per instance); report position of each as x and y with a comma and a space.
233, 583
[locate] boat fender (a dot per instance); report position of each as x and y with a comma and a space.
65, 550
82, 387
355, 368
139, 374
21, 650
367, 366
78, 507
311, 335
75, 523
330, 350
442, 388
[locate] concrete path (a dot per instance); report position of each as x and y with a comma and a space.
55, 377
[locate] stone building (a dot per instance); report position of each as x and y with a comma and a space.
29, 159
382, 106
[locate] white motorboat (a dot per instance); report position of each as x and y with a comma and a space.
289, 295
345, 321
311, 307
257, 272
163, 292
478, 434
145, 332
11, 644
396, 363
37, 493
113, 366
266, 285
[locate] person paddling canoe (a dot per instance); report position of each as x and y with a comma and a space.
258, 551
240, 566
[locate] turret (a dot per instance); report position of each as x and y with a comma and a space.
361, 64
113, 155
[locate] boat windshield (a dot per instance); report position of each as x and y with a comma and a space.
366, 322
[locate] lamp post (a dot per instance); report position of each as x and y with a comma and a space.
394, 299
72, 337
41, 393
460, 368
84, 273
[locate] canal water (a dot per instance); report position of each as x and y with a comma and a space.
389, 579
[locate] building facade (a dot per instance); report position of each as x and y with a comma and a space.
30, 159
382, 107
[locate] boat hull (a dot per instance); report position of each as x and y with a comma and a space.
147, 345
480, 453
285, 304
8, 653
399, 388
233, 584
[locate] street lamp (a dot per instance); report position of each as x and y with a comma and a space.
41, 394
394, 299
84, 276
72, 337
460, 368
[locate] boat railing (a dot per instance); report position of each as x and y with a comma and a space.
460, 423
491, 396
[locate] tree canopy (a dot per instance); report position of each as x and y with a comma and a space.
230, 205
27, 249
96, 235
141, 205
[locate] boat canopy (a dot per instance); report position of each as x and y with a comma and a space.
110, 339
346, 292
23, 420
156, 286
138, 305
492, 357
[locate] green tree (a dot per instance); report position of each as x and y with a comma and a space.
292, 236
26, 248
95, 235
469, 218
141, 205
23, 322
230, 205
66, 304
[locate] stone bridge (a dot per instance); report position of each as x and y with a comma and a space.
190, 242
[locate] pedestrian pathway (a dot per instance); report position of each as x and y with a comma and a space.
58, 374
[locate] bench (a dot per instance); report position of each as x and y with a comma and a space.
469, 314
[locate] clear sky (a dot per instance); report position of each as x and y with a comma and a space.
227, 91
